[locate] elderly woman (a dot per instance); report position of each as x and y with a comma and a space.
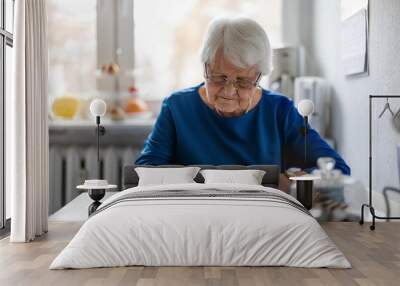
230, 119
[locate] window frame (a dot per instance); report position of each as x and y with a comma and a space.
6, 39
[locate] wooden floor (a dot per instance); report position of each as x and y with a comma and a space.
374, 255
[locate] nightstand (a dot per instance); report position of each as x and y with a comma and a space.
96, 190
304, 189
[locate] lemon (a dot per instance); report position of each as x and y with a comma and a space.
65, 107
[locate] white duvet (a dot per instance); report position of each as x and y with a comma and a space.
200, 231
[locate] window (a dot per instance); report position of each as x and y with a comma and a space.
168, 38
156, 46
72, 47
6, 43
84, 37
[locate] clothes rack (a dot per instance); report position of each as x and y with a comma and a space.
370, 205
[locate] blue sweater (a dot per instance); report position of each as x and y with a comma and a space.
188, 132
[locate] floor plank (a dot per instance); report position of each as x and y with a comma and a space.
374, 255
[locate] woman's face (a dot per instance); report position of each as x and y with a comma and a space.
230, 89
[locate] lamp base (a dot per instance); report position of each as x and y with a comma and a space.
96, 195
102, 130
304, 192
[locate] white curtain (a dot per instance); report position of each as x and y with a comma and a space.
27, 123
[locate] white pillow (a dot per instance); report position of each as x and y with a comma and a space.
163, 176
248, 177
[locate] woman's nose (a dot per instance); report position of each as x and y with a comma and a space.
230, 89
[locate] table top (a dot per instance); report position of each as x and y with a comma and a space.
86, 188
305, 178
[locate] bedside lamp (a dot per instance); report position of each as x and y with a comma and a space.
304, 184
98, 108
306, 108
97, 188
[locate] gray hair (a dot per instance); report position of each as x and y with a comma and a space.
243, 40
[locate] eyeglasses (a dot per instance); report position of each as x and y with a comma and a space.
223, 80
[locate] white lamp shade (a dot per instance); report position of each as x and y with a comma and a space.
98, 107
305, 107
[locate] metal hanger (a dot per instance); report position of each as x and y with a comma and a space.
387, 107
397, 114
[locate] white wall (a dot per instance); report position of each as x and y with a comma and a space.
297, 26
350, 98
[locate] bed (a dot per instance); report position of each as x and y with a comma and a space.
198, 224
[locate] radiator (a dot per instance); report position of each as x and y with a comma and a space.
72, 165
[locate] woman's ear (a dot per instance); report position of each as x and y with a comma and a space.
206, 95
